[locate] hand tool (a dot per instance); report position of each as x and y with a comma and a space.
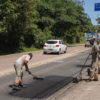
79, 77
35, 77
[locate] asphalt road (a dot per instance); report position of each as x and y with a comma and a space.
57, 75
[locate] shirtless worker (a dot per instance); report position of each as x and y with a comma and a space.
18, 65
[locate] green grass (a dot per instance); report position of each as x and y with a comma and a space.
26, 49
69, 44
12, 51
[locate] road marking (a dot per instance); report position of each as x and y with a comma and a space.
56, 59
5, 74
59, 61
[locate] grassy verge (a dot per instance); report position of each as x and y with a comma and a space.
23, 49
68, 44
26, 49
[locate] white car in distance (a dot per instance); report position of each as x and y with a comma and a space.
54, 46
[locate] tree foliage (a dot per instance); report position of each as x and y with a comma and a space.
98, 20
32, 22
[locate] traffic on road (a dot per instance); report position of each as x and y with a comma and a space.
54, 46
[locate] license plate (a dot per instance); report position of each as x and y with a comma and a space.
50, 49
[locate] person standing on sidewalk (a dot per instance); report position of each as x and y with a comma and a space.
18, 65
95, 60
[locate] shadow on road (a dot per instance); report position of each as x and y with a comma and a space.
54, 54
37, 89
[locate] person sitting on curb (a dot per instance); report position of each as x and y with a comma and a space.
18, 65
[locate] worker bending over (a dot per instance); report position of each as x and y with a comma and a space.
18, 65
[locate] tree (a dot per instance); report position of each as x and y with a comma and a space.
32, 22
98, 20
17, 15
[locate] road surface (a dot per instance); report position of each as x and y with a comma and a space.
7, 61
57, 75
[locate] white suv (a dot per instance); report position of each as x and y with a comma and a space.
54, 46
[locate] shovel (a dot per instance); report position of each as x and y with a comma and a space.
79, 77
35, 77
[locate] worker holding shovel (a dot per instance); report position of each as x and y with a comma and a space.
18, 65
95, 61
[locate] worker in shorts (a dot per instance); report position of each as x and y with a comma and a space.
95, 60
18, 65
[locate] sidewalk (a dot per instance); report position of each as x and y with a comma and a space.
83, 90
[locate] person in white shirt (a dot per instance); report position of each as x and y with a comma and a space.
18, 65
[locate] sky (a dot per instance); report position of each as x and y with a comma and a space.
89, 6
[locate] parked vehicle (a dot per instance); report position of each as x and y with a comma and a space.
87, 43
54, 46
90, 42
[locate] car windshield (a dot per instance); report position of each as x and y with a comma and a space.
51, 42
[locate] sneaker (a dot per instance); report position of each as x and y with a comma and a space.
11, 85
96, 80
90, 79
15, 85
21, 85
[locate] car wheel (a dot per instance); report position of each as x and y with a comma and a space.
65, 50
59, 52
44, 52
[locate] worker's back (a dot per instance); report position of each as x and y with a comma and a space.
20, 61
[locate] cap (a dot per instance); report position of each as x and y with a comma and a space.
30, 54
